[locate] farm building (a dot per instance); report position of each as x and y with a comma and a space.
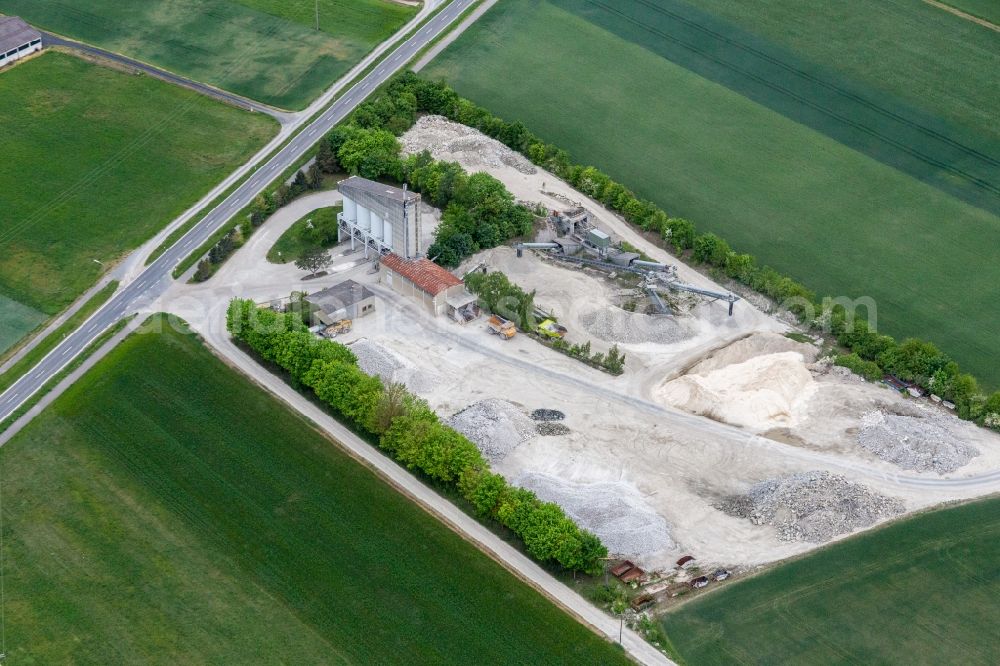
380, 217
425, 282
17, 39
346, 300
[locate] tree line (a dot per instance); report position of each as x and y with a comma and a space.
406, 428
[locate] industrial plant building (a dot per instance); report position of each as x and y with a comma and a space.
17, 39
380, 217
425, 282
347, 300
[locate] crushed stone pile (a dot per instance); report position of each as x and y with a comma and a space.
812, 506
547, 415
550, 429
495, 426
927, 443
454, 142
378, 360
617, 325
761, 393
615, 512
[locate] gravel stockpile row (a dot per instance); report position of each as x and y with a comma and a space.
378, 360
495, 426
549, 429
922, 443
547, 415
617, 325
455, 142
812, 506
613, 511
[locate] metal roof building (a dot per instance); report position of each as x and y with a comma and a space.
346, 300
17, 39
381, 217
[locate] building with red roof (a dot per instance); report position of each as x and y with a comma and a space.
424, 282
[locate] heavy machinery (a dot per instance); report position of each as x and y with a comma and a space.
550, 329
657, 276
503, 327
338, 327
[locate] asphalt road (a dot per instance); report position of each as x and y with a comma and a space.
48, 39
155, 279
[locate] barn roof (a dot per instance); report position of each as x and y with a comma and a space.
14, 32
424, 273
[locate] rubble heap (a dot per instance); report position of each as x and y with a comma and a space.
812, 506
922, 443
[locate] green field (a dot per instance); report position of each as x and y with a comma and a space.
925, 590
112, 158
984, 9
165, 510
746, 137
297, 238
16, 321
268, 50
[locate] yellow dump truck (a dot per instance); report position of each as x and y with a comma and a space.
502, 327
550, 329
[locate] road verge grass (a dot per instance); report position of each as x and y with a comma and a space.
47, 344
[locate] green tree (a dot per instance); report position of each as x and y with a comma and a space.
313, 260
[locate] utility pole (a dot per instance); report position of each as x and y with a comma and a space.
317, 14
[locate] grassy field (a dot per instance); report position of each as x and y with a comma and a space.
922, 591
803, 199
165, 510
267, 50
293, 243
111, 158
984, 9
16, 321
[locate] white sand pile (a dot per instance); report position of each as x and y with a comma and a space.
495, 426
926, 443
613, 324
744, 349
453, 142
615, 512
812, 506
761, 393
378, 360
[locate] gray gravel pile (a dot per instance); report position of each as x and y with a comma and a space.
454, 142
812, 506
549, 429
615, 512
495, 426
547, 415
617, 325
927, 443
380, 361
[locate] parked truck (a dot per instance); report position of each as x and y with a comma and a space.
502, 327
550, 329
